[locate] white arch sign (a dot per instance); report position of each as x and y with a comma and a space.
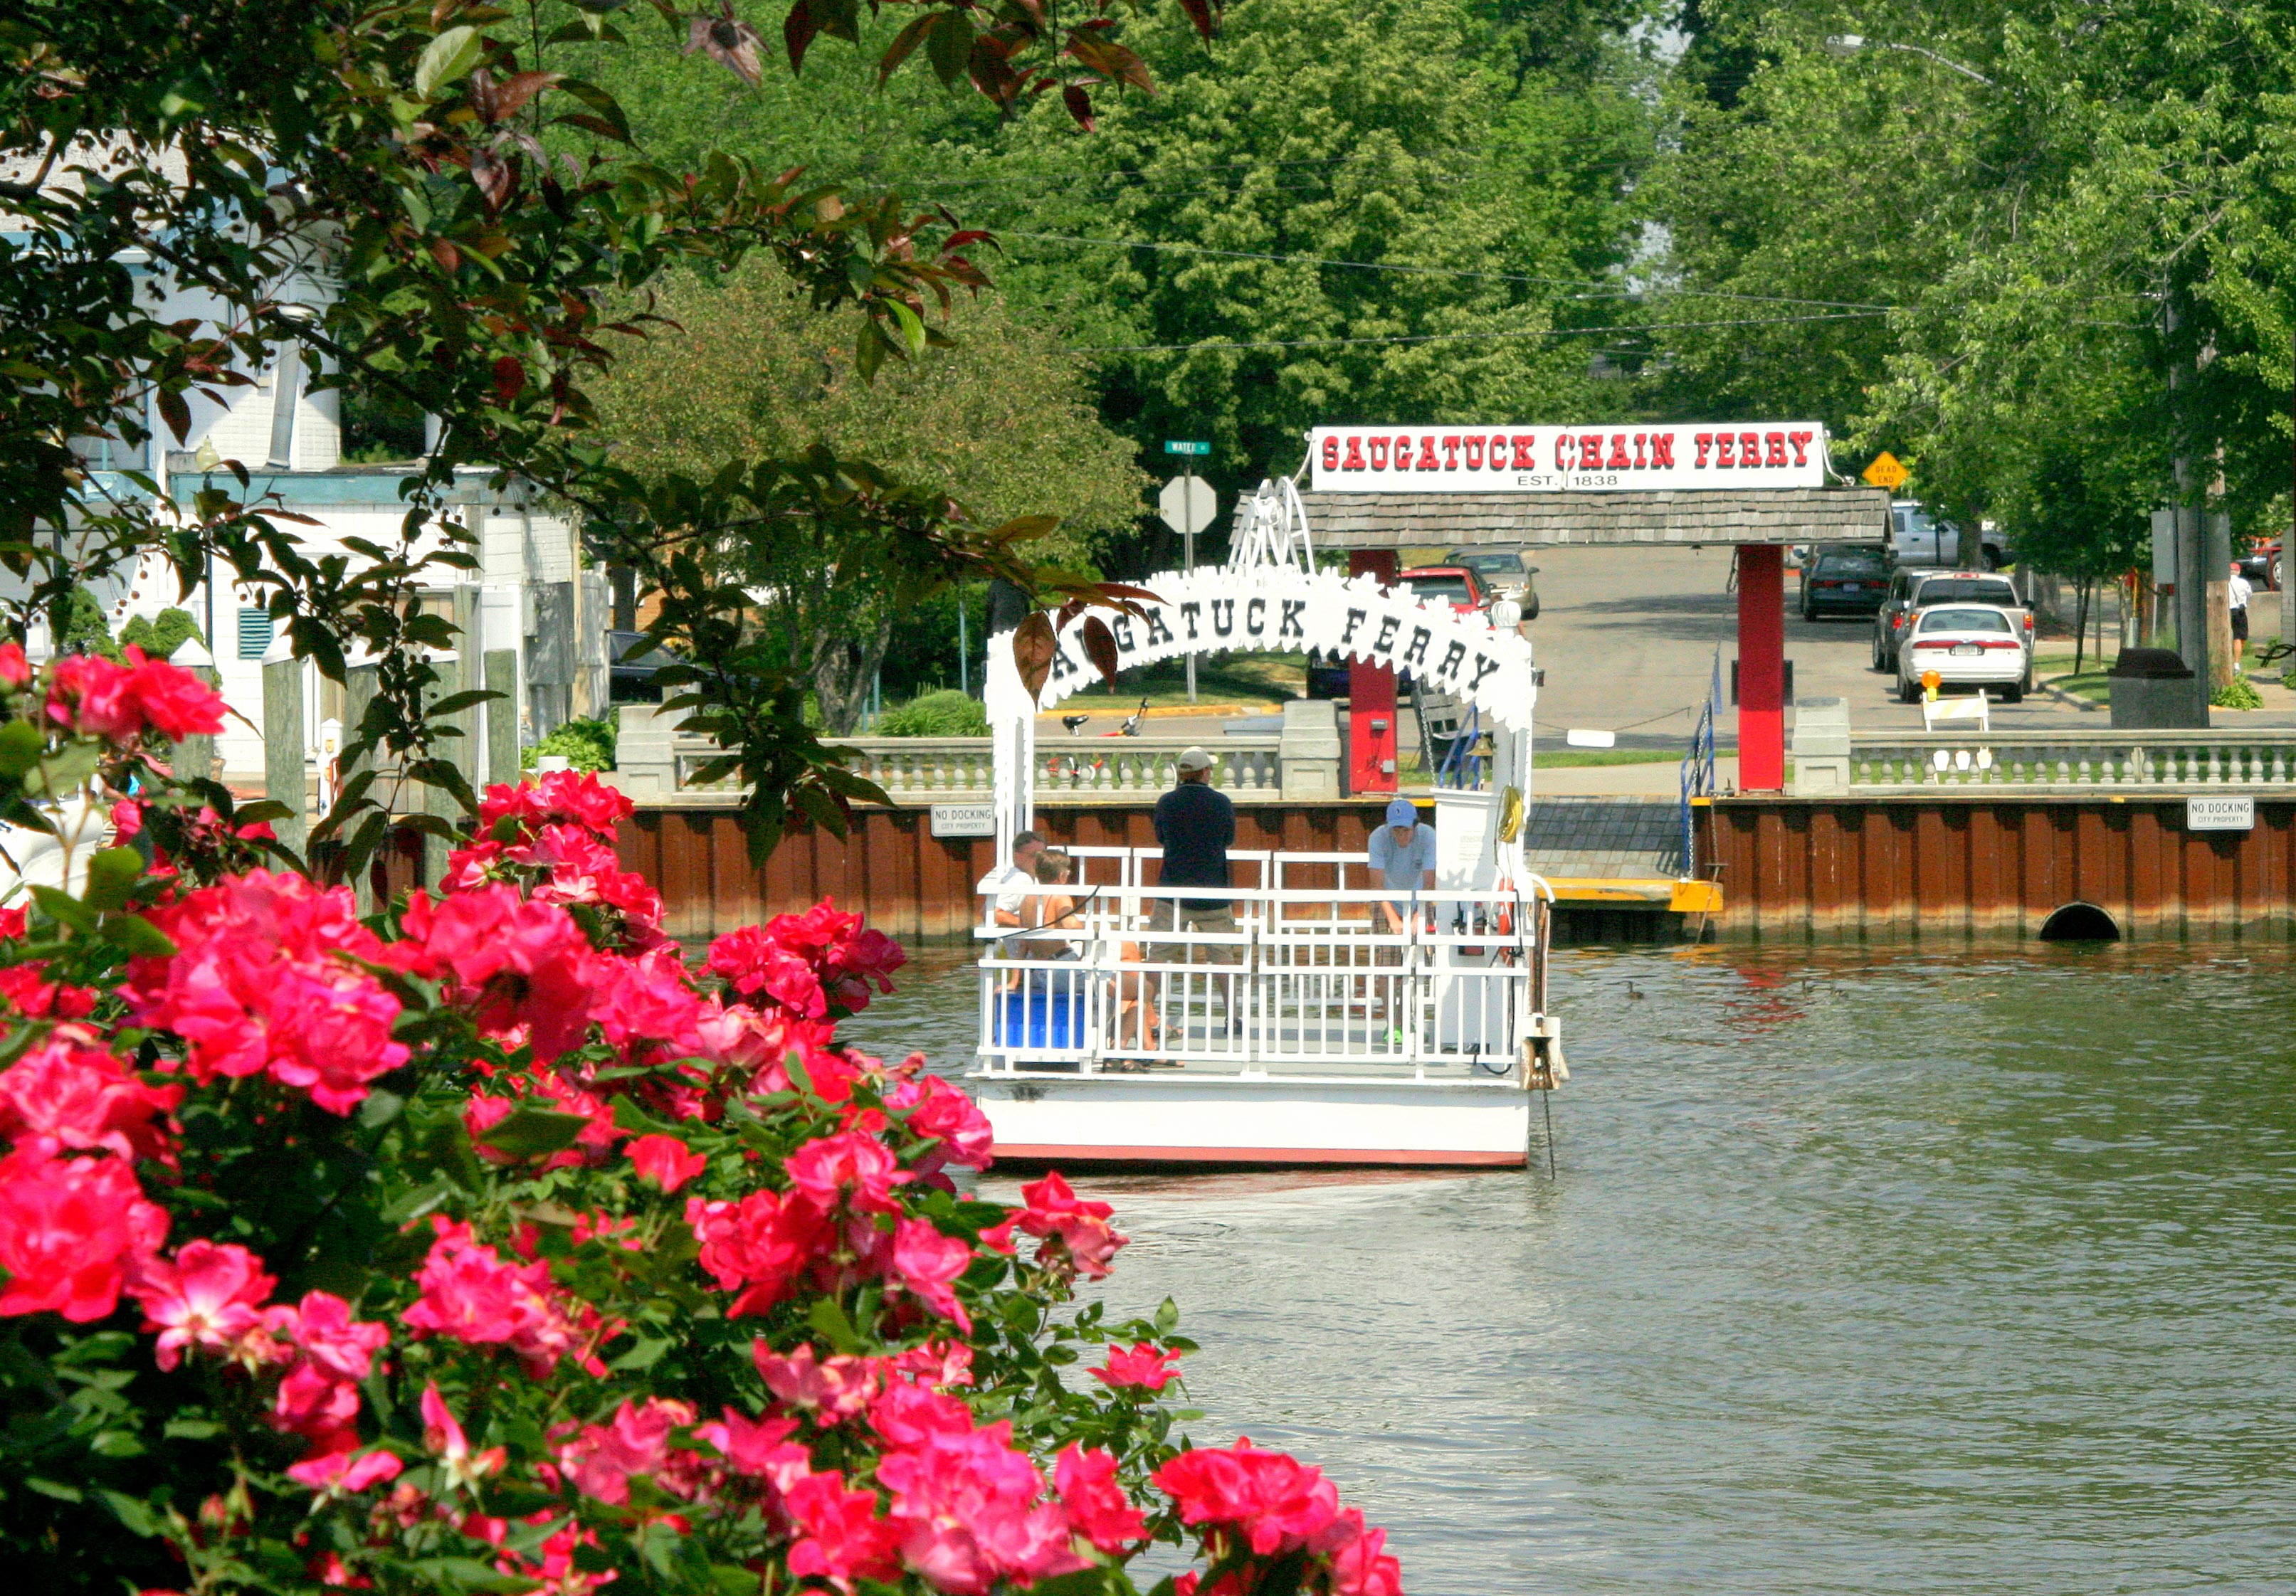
1273, 609
1281, 608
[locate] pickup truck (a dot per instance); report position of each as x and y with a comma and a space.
1913, 591
1916, 539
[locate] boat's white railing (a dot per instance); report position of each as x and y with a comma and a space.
1307, 977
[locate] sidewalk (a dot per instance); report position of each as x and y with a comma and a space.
1660, 779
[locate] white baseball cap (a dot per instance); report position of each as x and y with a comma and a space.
1195, 758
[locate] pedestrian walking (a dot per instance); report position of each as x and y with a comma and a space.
2237, 592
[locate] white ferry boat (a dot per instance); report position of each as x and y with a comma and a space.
1312, 1032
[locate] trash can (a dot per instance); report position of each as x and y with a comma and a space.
2153, 690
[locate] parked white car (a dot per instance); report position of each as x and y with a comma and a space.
1968, 645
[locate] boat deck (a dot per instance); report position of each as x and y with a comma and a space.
1306, 1027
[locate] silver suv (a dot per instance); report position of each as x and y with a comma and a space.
1911, 590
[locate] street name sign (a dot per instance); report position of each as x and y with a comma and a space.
2219, 815
1609, 458
1187, 446
964, 820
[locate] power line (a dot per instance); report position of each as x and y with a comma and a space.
951, 180
1381, 266
1441, 337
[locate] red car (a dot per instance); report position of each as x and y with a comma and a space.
1328, 678
1455, 583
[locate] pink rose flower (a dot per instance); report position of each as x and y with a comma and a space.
834, 1390
260, 985
71, 1231
471, 1294
62, 1094
666, 1161
1097, 1506
206, 1295
1140, 1367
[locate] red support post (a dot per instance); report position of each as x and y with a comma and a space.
1371, 696
1761, 668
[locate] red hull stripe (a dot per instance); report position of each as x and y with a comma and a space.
1035, 1152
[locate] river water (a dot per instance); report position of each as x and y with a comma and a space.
1876, 1272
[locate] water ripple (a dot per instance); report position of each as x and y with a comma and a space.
1864, 1273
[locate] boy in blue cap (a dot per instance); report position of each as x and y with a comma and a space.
1403, 851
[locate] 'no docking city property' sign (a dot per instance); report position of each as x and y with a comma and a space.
2219, 815
1582, 459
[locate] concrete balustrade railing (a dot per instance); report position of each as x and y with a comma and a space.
2083, 760
655, 762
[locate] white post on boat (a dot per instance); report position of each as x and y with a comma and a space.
1013, 726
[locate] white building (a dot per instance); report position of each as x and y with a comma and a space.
534, 596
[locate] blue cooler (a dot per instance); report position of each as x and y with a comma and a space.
1046, 1019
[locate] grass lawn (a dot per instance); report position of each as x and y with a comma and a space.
2091, 684
1250, 678
1578, 758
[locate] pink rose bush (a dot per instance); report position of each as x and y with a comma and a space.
487, 1243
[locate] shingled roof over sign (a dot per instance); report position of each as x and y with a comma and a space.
1387, 520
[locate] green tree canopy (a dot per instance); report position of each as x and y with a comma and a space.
1002, 419
1345, 211
2002, 278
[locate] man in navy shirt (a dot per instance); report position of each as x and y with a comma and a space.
1195, 824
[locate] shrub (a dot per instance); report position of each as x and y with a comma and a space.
587, 744
2236, 694
85, 631
160, 635
487, 1245
948, 713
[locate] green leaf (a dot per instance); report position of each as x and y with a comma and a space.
64, 770
418, 1202
187, 1429
137, 935
456, 701
645, 1354
913, 327
379, 1108
445, 59
21, 746
827, 1316
133, 1515
950, 47
53, 1487
111, 875
529, 1131
65, 909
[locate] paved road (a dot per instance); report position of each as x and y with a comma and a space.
1628, 636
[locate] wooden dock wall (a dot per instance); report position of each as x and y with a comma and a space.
1884, 868
1901, 869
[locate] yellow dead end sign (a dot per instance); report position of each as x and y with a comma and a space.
1887, 471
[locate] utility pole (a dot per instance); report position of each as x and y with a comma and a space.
2288, 538
2192, 597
